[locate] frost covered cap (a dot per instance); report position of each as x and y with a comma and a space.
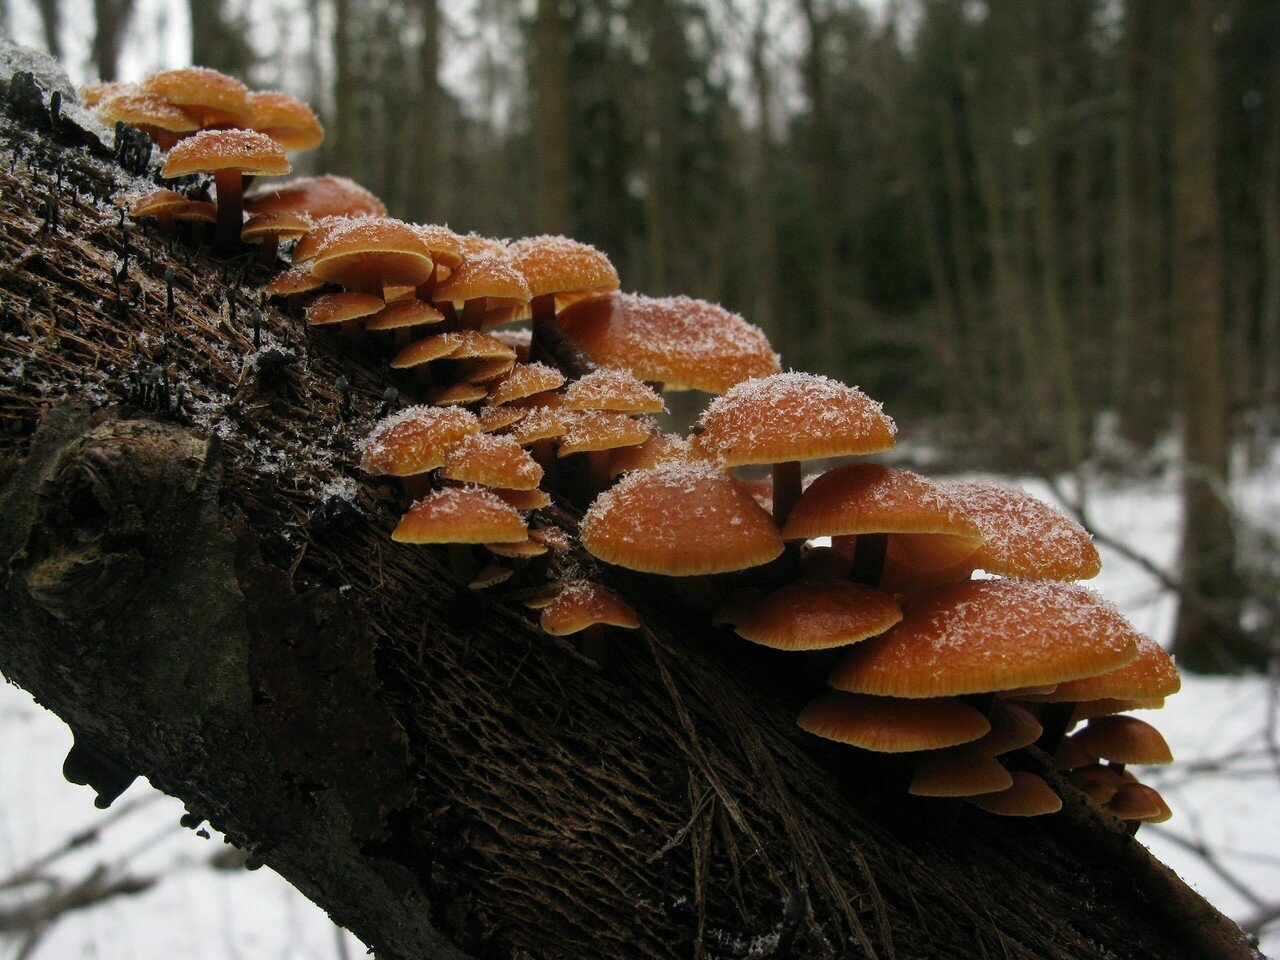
990, 635
560, 265
212, 98
371, 253
316, 197
492, 460
593, 430
660, 448
485, 275
583, 603
818, 615
461, 515
607, 388
209, 151
1151, 675
524, 380
679, 520
792, 416
155, 116
1023, 536
333, 308
684, 344
285, 119
445, 245
890, 725
282, 226
415, 440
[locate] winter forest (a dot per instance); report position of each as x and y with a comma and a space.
1045, 234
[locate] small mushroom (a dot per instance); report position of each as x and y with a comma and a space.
1029, 796
968, 770
1124, 740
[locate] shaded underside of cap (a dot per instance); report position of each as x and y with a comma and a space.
964, 771
583, 603
891, 725
461, 515
814, 615
1029, 796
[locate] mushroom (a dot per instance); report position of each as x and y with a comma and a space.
402, 318
447, 253
892, 725
525, 380
525, 499
159, 205
681, 343
816, 615
968, 770
229, 155
92, 94
461, 515
482, 284
315, 197
1136, 801
786, 418
372, 255
560, 267
212, 99
285, 119
660, 448
490, 576
596, 433
681, 520
413, 442
164, 122
586, 607
1070, 755
457, 395
1099, 784
607, 388
1029, 796
493, 461
346, 309
1012, 728
268, 229
989, 635
1124, 740
499, 418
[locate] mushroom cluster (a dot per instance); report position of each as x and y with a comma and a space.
210, 123
944, 618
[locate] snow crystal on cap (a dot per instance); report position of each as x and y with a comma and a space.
370, 229
378, 448
793, 416
1024, 536
555, 264
608, 388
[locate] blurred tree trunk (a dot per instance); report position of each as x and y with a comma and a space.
1140, 374
1268, 412
111, 20
822, 184
1207, 554
428, 123
344, 154
217, 40
51, 24
552, 140
764, 251
657, 28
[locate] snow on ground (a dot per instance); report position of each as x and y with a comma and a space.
1224, 790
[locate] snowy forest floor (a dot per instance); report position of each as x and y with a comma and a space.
1224, 790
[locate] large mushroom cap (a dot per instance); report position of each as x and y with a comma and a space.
1023, 536
792, 416
1029, 796
485, 275
285, 119
372, 253
990, 635
682, 343
146, 111
679, 520
863, 498
212, 98
415, 440
461, 515
1122, 739
559, 265
606, 388
248, 151
316, 197
1151, 675
583, 603
817, 615
890, 725
492, 460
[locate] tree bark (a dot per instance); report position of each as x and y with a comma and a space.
185, 585
1207, 553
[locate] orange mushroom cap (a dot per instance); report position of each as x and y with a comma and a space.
891, 725
492, 460
457, 395
445, 245
370, 253
968, 770
315, 197
1107, 706
540, 423
1150, 675
248, 151
558, 265
525, 499
415, 440
592, 430
792, 416
333, 308
285, 119
158, 203
1023, 536
606, 388
1122, 739
989, 635
486, 275
1029, 796
682, 343
818, 615
1099, 784
284, 226
1136, 801
680, 520
1012, 728
461, 515
583, 603
211, 97
146, 112
499, 418
400, 314
524, 380
92, 94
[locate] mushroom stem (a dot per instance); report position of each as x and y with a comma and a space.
267, 251
230, 187
462, 562
868, 558
1055, 719
598, 474
786, 489
472, 314
417, 486
594, 644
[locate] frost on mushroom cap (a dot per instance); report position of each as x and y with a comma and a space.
444, 244
660, 448
989, 635
684, 344
1150, 675
792, 416
415, 440
817, 615
1024, 536
405, 313
607, 388
317, 197
248, 151
212, 97
680, 520
868, 498
889, 725
583, 603
540, 423
1122, 739
524, 380
285, 119
474, 245
92, 94
1029, 796
964, 771
499, 418
379, 251
332, 308
484, 275
552, 264
492, 460
461, 515
592, 430
146, 110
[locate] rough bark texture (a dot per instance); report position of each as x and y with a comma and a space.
191, 594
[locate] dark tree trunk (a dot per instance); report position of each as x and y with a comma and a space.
552, 137
111, 19
184, 588
216, 40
